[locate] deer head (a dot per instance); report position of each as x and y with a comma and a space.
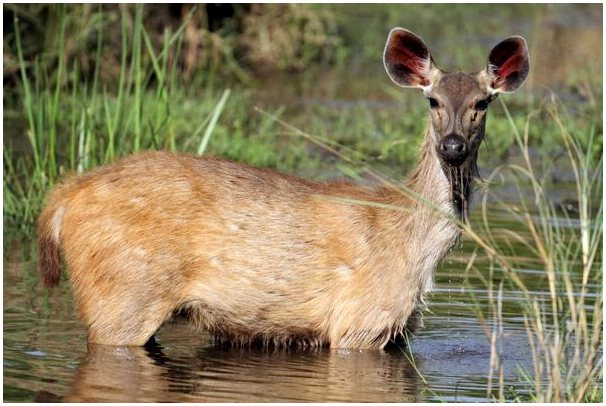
457, 101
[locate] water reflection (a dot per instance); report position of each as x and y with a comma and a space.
218, 374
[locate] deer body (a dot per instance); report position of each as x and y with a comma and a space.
251, 254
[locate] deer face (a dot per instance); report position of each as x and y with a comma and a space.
457, 105
457, 101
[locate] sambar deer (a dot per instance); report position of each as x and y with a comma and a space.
257, 256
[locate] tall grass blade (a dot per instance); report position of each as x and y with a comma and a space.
213, 121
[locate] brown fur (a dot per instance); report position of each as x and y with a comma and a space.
252, 254
248, 253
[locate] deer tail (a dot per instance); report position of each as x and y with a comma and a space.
49, 237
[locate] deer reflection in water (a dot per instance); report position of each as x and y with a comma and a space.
219, 373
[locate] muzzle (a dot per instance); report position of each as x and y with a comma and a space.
453, 149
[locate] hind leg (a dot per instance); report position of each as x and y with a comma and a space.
124, 293
121, 302
124, 321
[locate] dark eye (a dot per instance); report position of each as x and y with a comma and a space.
481, 105
433, 103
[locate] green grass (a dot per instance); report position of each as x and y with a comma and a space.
74, 125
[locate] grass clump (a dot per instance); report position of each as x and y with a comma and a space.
564, 319
219, 41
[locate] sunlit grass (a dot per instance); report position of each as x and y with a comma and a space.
73, 125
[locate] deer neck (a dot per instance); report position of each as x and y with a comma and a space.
429, 182
429, 232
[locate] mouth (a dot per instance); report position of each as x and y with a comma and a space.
460, 177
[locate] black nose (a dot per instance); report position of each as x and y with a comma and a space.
453, 149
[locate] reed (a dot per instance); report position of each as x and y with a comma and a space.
565, 330
564, 324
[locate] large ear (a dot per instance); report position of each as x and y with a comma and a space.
407, 59
508, 65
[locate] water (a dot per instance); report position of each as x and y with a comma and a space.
45, 356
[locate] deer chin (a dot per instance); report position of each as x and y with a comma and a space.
460, 177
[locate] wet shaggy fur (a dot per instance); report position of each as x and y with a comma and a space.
252, 255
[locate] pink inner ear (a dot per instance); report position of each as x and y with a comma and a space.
406, 59
407, 62
510, 66
419, 68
